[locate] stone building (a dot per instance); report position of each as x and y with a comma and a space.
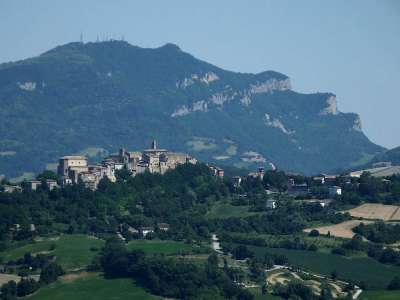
73, 169
154, 160
68, 163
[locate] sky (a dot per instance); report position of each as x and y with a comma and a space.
349, 48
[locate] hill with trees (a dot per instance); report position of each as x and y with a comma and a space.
93, 98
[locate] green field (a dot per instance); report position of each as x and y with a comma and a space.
267, 297
93, 286
160, 246
373, 273
72, 251
222, 210
380, 295
258, 296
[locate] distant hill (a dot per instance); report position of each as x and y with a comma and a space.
392, 155
93, 98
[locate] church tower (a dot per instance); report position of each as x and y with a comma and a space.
154, 145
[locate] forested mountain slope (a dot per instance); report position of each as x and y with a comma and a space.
93, 98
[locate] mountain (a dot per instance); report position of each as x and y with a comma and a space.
92, 98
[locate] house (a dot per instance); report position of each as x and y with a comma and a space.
237, 180
321, 202
335, 191
163, 226
271, 204
69, 163
144, 231
11, 188
120, 236
51, 184
300, 189
132, 230
319, 179
34, 184
330, 179
259, 174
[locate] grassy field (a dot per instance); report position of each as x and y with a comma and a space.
160, 246
266, 297
258, 296
373, 273
222, 210
380, 295
93, 286
72, 251
76, 251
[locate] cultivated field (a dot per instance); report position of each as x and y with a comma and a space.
4, 278
376, 211
376, 275
92, 286
343, 229
221, 210
73, 251
380, 295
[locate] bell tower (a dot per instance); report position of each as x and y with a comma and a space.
154, 145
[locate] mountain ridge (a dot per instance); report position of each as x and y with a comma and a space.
112, 94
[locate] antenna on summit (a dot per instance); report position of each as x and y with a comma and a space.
81, 37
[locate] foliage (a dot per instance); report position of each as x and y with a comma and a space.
379, 232
166, 276
50, 273
394, 284
135, 90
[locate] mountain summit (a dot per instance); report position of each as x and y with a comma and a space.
93, 98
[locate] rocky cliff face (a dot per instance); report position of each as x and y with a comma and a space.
93, 98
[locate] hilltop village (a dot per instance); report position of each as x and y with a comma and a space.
72, 169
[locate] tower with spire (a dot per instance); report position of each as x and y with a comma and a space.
154, 145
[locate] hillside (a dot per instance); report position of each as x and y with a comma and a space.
96, 97
392, 155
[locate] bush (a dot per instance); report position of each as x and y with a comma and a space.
50, 273
312, 247
242, 252
26, 286
338, 251
314, 233
394, 284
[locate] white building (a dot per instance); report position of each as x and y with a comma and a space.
271, 204
335, 191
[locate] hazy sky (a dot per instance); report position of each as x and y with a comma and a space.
350, 48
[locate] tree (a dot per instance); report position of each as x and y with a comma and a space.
9, 290
334, 274
264, 289
26, 286
47, 174
276, 179
241, 252
394, 284
50, 273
